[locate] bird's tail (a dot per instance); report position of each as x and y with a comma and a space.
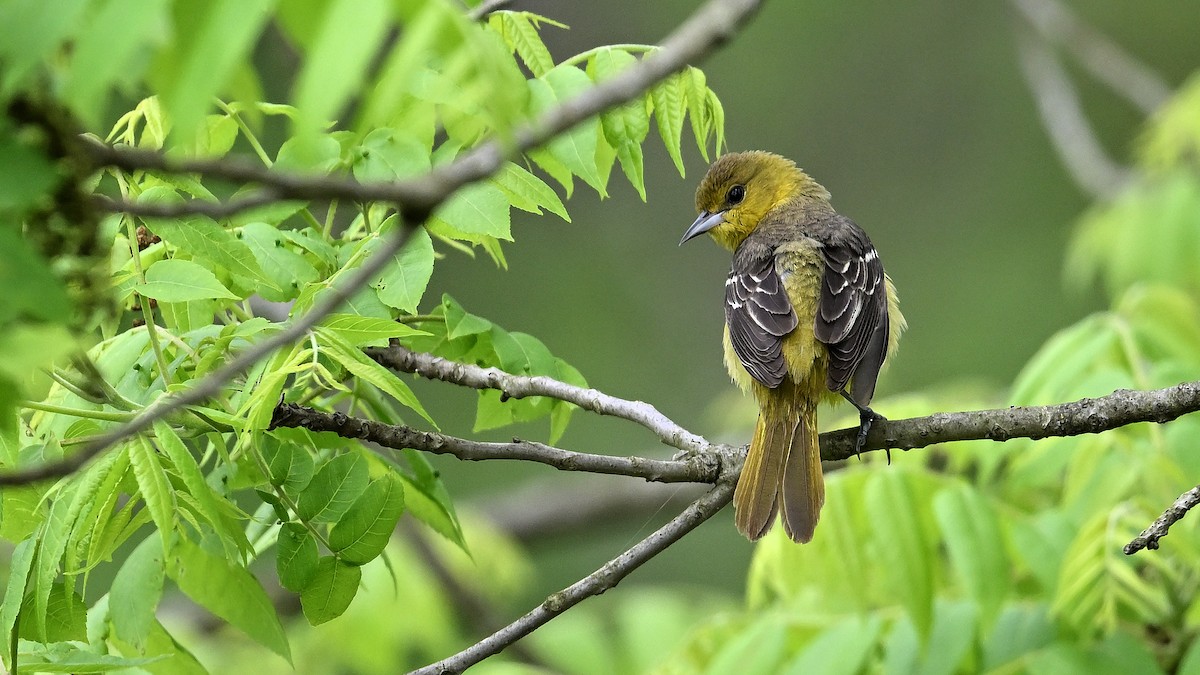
783, 468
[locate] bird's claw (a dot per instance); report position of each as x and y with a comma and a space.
866, 417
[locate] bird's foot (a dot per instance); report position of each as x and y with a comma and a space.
866, 417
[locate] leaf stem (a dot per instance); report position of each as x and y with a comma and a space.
107, 416
582, 57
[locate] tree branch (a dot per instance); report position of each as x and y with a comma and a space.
712, 25
1062, 115
595, 583
1086, 416
697, 468
705, 30
1058, 24
1149, 537
433, 367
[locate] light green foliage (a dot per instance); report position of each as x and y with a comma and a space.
383, 91
1007, 558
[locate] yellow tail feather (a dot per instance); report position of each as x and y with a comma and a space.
782, 470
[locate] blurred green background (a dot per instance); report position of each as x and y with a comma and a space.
916, 118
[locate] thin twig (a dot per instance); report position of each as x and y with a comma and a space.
701, 33
595, 583
1085, 416
1059, 25
212, 383
1062, 115
696, 468
709, 27
433, 367
1149, 537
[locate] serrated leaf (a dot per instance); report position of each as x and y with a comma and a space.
228, 591
362, 331
402, 283
670, 107
390, 154
897, 532
625, 126
329, 593
695, 91
522, 36
528, 192
427, 500
575, 149
972, 536
290, 270
480, 209
361, 366
296, 557
460, 322
189, 471
349, 34
153, 486
203, 238
20, 565
136, 590
180, 281
335, 487
361, 534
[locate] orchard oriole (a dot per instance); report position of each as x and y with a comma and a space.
809, 314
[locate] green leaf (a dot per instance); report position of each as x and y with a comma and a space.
971, 533
70, 657
841, 649
181, 281
427, 500
202, 238
228, 591
206, 501
153, 486
107, 53
479, 209
528, 192
23, 50
335, 487
291, 465
365, 529
695, 90
670, 107
350, 32
296, 557
898, 534
30, 288
289, 269
402, 283
136, 590
362, 331
361, 366
625, 127
576, 149
460, 322
521, 36
212, 38
26, 176
390, 154
330, 591
20, 565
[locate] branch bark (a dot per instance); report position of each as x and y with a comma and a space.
433, 367
595, 583
1149, 537
697, 468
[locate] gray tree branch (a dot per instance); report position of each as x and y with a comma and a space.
405, 360
701, 33
595, 583
1149, 537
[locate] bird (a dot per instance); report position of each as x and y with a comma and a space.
810, 315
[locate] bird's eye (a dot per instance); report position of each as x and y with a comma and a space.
736, 194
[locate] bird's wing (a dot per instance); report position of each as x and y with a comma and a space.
852, 315
759, 314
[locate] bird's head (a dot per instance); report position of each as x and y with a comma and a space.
740, 188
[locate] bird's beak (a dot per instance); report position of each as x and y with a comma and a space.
705, 222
